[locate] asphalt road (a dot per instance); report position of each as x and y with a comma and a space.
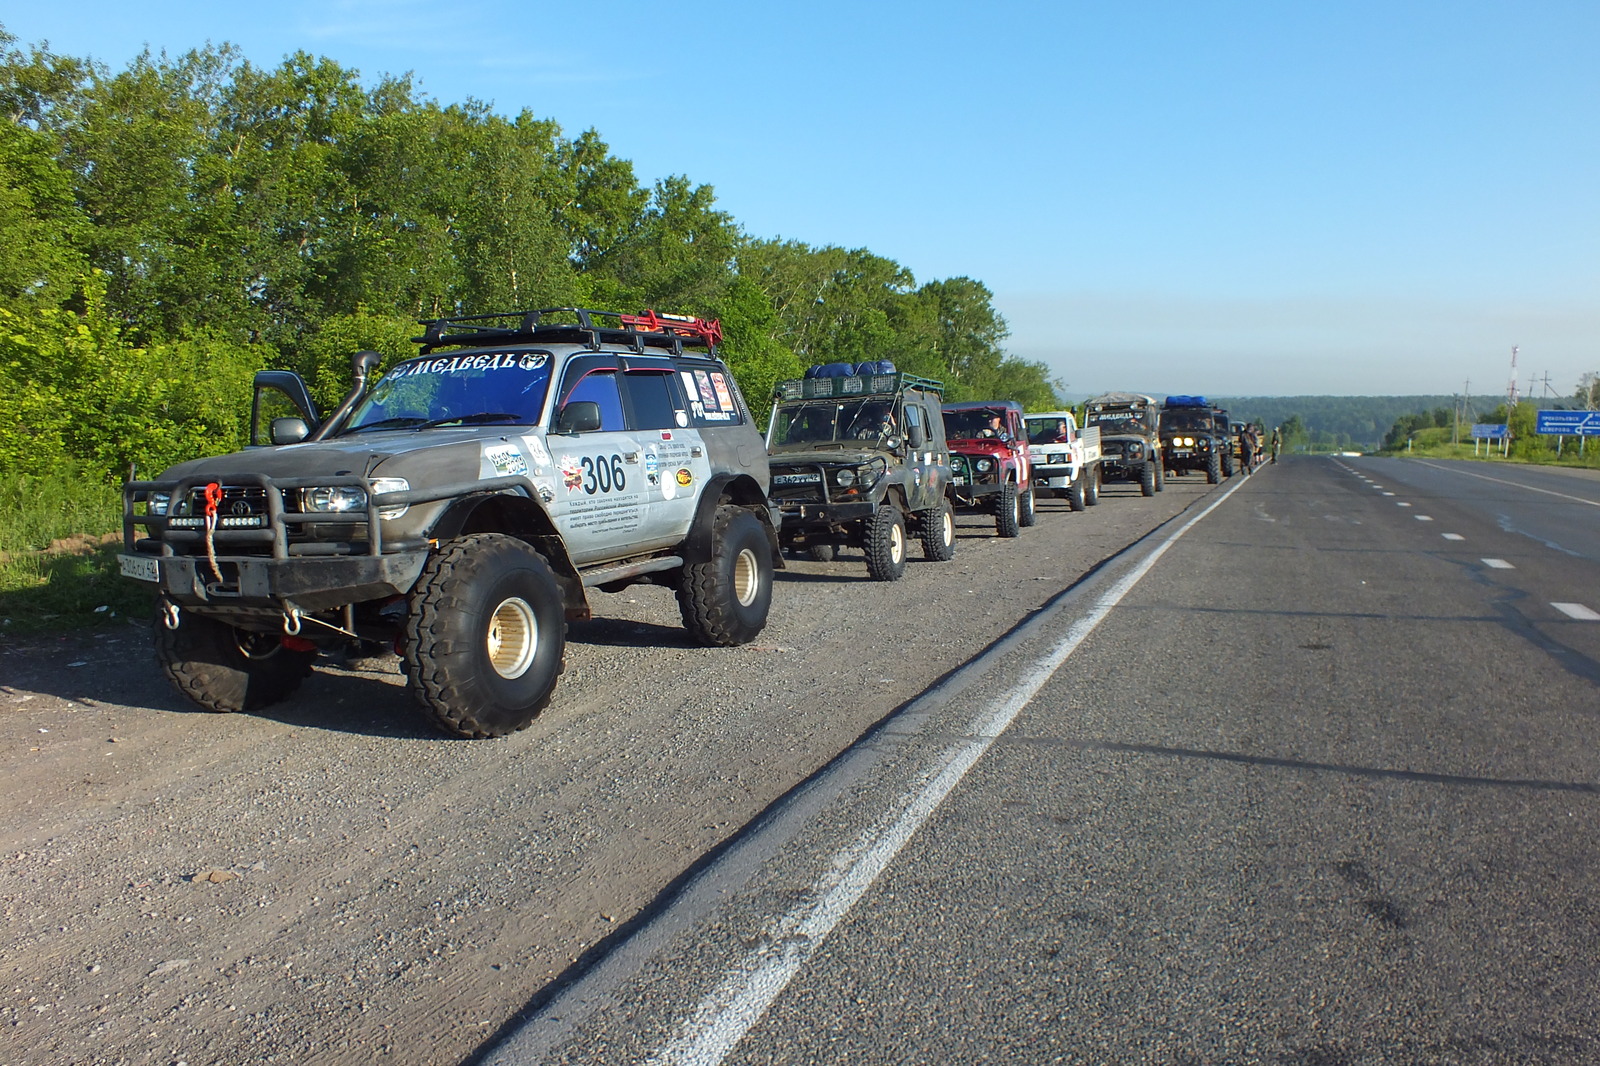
1264, 772
1318, 786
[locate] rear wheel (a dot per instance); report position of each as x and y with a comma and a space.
1008, 511
886, 544
224, 669
485, 636
1147, 480
939, 532
1027, 512
724, 600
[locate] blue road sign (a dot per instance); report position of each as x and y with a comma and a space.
1569, 423
1490, 431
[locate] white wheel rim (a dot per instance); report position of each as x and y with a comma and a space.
746, 577
949, 529
897, 543
513, 638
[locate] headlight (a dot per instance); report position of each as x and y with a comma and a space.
1058, 457
343, 499
1135, 449
984, 465
845, 478
158, 503
1187, 442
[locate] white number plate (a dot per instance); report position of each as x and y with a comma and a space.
142, 567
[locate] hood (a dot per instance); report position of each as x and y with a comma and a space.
789, 454
982, 446
446, 453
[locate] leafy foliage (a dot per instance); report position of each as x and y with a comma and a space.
175, 225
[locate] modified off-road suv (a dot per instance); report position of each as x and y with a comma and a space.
460, 510
1130, 446
989, 465
858, 457
1192, 438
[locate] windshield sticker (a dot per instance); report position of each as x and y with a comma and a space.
457, 364
505, 459
708, 395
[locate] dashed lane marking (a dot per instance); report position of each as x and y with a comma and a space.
1578, 611
1423, 517
1452, 536
1497, 564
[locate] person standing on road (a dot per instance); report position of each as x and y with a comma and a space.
1277, 441
1247, 449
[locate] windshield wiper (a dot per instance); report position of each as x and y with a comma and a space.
399, 422
485, 416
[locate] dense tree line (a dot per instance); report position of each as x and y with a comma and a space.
1343, 421
175, 225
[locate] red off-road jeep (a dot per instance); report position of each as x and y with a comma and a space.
989, 461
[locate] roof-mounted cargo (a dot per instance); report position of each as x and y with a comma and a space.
1187, 401
847, 386
572, 325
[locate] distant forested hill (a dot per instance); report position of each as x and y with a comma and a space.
1355, 420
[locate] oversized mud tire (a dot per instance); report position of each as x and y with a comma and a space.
1008, 511
1027, 509
724, 600
1227, 464
938, 532
1147, 480
485, 636
886, 544
822, 553
1091, 487
1075, 498
224, 669
1161, 477
1213, 469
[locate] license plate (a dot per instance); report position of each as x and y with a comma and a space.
140, 567
1181, 453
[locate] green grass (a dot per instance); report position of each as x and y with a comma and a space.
78, 585
1435, 444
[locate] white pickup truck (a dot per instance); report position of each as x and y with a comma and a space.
1066, 458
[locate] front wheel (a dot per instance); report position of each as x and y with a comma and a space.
939, 532
1027, 512
1213, 469
1091, 488
1161, 477
486, 633
224, 669
1008, 511
886, 544
1147, 480
724, 600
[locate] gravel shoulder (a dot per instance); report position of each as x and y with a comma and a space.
332, 880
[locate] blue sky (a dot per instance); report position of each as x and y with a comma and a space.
1241, 198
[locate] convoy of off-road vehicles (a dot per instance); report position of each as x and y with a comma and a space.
460, 508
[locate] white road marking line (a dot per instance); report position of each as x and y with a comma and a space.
1497, 564
1452, 536
1578, 611
1402, 503
749, 987
1423, 517
1513, 484
1388, 494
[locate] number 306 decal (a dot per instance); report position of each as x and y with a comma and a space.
603, 473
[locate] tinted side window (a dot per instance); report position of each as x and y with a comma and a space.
653, 402
601, 387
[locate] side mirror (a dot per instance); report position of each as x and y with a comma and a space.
289, 430
579, 416
917, 436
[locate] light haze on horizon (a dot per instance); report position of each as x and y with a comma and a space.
1244, 199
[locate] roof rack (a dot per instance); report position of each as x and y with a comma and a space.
579, 325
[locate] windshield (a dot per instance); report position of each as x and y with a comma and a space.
830, 421
483, 388
969, 424
1047, 430
1192, 421
1118, 417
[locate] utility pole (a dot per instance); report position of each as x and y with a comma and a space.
1511, 389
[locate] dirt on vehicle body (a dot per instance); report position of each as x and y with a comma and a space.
859, 459
989, 462
1130, 441
460, 511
